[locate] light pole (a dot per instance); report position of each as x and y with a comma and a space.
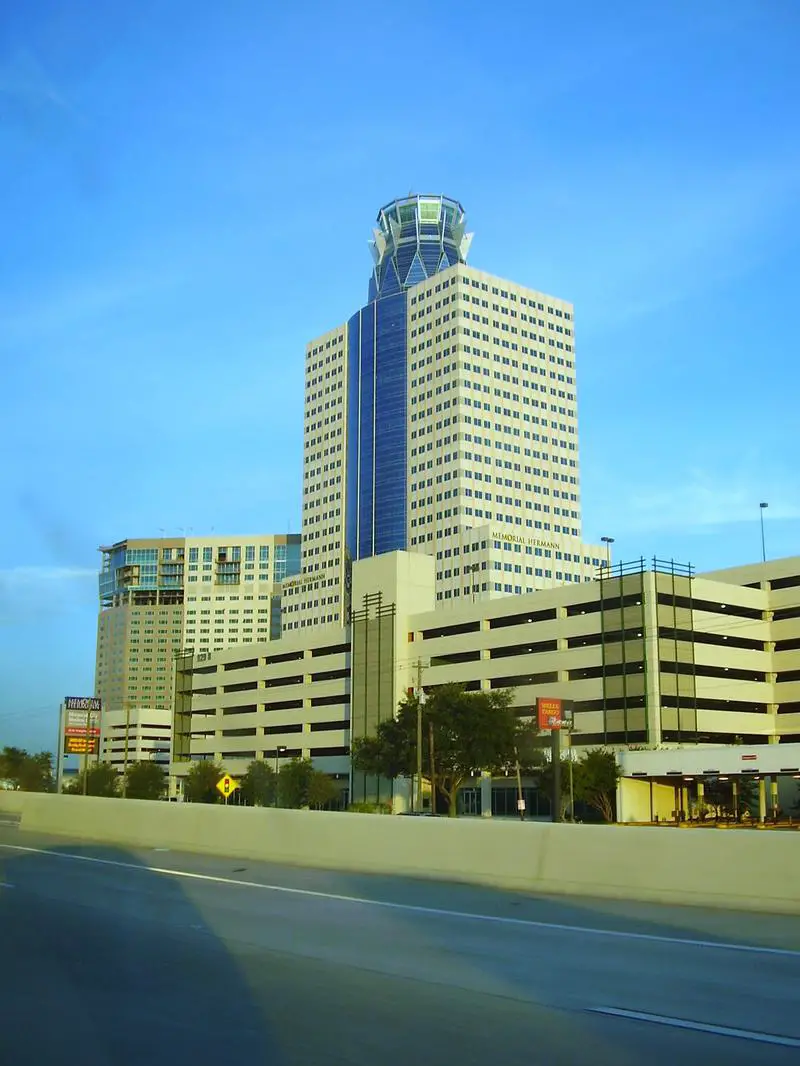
279, 750
608, 541
472, 569
761, 509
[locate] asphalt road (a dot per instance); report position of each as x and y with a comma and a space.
111, 956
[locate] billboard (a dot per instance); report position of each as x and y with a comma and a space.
82, 703
82, 725
549, 712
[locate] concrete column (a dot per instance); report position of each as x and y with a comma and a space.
762, 800
773, 793
735, 797
651, 652
701, 795
486, 794
773, 781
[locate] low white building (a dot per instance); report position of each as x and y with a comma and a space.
136, 734
670, 784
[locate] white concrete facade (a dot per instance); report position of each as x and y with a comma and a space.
718, 676
141, 734
492, 446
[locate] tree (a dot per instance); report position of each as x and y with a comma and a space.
471, 731
596, 779
258, 784
200, 783
293, 783
545, 774
101, 780
26, 772
321, 790
300, 785
145, 780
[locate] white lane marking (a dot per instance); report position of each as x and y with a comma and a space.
700, 1027
438, 912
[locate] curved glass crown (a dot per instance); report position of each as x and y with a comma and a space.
415, 238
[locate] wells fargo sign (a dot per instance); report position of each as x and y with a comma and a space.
549, 712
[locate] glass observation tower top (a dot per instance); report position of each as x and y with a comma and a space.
416, 237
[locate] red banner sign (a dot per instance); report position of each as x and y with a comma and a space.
549, 712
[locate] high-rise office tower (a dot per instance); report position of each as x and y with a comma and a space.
161, 596
440, 418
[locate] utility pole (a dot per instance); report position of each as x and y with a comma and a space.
568, 725
420, 702
279, 750
125, 757
433, 768
86, 750
520, 797
60, 750
555, 739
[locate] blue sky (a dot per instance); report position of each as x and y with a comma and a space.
188, 191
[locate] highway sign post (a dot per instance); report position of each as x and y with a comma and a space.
79, 732
549, 713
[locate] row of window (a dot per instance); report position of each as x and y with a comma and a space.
502, 327
318, 621
478, 301
224, 599
321, 347
478, 335
503, 360
312, 441
464, 280
467, 418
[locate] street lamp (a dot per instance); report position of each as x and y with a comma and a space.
472, 569
279, 750
608, 541
762, 508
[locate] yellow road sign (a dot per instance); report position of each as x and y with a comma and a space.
227, 784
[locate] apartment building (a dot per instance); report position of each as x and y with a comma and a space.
159, 596
442, 419
648, 654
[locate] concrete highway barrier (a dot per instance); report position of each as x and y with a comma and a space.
11, 802
747, 869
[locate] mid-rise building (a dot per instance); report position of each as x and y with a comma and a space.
648, 654
159, 597
441, 419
